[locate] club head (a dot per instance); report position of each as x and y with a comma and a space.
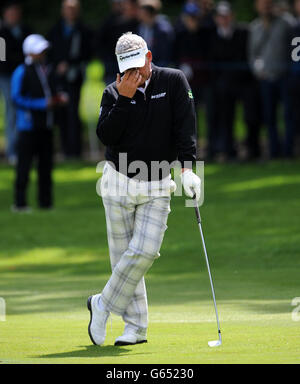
214, 344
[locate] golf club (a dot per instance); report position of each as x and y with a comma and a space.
216, 343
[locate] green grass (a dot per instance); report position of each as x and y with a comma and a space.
51, 262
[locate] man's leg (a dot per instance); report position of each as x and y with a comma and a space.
62, 121
136, 315
10, 126
25, 155
73, 128
120, 217
44, 149
285, 88
230, 102
150, 225
212, 109
251, 99
269, 95
295, 100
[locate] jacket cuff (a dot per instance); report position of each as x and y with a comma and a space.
187, 162
123, 100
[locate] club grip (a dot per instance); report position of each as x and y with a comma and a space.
197, 211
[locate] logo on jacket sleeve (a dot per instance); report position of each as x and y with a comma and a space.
190, 93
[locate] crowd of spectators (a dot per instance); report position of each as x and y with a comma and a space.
227, 63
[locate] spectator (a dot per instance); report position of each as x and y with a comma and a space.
207, 18
297, 12
71, 43
122, 18
106, 38
14, 33
282, 9
157, 31
295, 76
269, 59
32, 94
232, 81
191, 55
130, 16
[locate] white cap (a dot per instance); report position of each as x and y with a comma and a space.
132, 59
34, 45
223, 8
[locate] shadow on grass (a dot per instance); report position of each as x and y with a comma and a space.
91, 351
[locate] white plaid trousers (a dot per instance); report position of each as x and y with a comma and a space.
136, 224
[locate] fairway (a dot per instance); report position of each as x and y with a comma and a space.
50, 262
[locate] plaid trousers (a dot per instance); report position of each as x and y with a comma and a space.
136, 224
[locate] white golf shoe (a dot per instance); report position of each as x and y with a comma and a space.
98, 320
129, 337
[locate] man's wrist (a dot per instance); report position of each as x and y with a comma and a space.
126, 96
123, 100
186, 170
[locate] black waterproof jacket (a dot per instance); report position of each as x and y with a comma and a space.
159, 125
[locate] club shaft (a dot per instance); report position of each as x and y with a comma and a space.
208, 268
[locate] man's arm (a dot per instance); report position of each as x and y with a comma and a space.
186, 135
112, 119
114, 114
26, 102
184, 121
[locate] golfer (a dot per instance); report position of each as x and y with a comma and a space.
148, 115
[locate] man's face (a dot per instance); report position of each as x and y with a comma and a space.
191, 22
39, 58
145, 71
297, 7
129, 9
264, 7
12, 15
205, 4
224, 21
70, 11
117, 6
145, 16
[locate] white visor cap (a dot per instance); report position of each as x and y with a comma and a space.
132, 59
35, 44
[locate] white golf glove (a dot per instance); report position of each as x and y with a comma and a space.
191, 184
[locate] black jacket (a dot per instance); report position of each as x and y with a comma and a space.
192, 48
14, 51
75, 49
162, 41
229, 57
295, 65
158, 126
32, 85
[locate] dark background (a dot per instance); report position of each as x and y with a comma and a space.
41, 15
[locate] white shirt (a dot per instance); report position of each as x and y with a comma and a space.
225, 33
143, 90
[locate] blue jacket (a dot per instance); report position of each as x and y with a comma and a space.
29, 95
